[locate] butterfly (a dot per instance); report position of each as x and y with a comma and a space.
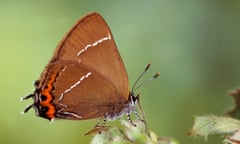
86, 77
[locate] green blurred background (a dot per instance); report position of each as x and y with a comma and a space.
193, 43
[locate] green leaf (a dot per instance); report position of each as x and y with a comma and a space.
129, 134
205, 125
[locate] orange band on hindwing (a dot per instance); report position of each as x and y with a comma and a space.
47, 102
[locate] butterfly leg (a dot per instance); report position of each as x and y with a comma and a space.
143, 119
99, 127
101, 122
98, 123
130, 120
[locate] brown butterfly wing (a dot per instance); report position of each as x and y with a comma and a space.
91, 43
81, 93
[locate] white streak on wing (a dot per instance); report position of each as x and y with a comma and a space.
63, 69
94, 44
74, 85
73, 114
66, 112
